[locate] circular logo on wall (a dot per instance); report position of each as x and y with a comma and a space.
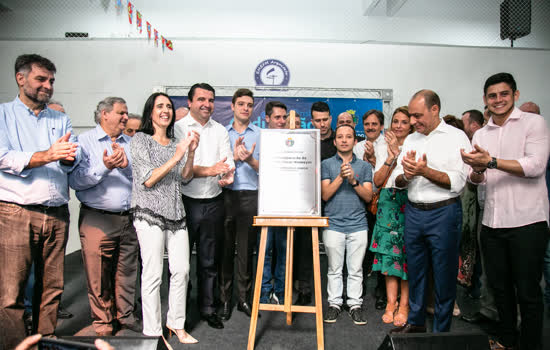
272, 72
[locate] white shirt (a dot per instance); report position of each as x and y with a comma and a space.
213, 147
359, 148
442, 148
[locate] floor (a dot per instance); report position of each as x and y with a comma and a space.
272, 332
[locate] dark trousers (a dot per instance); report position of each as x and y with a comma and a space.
240, 208
303, 260
205, 224
433, 237
27, 234
109, 253
514, 262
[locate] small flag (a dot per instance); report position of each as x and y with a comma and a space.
118, 4
156, 37
149, 30
163, 42
138, 21
169, 45
130, 11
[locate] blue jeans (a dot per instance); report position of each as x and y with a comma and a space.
276, 241
350, 247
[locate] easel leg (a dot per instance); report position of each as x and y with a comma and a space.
317, 284
257, 289
288, 273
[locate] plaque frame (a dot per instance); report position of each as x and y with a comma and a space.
285, 196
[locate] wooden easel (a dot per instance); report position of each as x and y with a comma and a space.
290, 222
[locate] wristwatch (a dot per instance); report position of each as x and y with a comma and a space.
492, 163
355, 184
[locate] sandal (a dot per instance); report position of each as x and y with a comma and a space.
387, 317
402, 315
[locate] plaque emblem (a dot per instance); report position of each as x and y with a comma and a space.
289, 142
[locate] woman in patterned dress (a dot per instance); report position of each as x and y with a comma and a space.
387, 243
160, 164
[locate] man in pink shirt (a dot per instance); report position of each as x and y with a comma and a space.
509, 156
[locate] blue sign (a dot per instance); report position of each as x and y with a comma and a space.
271, 72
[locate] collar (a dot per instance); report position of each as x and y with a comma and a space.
192, 121
250, 127
20, 103
101, 134
516, 114
353, 157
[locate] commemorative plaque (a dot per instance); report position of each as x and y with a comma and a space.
290, 175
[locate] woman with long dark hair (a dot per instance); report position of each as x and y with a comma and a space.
159, 166
388, 243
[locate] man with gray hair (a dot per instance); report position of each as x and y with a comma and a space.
103, 184
133, 124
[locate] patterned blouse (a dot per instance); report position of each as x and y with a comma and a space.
160, 205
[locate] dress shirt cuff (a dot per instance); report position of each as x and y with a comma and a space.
477, 183
21, 163
532, 166
458, 181
99, 170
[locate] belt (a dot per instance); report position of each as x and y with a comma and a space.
101, 211
203, 200
38, 207
435, 205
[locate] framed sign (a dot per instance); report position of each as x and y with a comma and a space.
290, 175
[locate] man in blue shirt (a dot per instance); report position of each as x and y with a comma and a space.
103, 184
346, 184
241, 204
37, 152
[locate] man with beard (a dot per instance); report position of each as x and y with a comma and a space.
510, 155
103, 184
37, 152
203, 199
321, 119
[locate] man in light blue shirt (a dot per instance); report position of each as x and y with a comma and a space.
37, 152
103, 184
241, 204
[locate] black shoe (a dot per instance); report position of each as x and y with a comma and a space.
225, 311
357, 316
331, 315
213, 320
27, 318
380, 303
63, 314
245, 308
409, 328
136, 326
476, 318
303, 299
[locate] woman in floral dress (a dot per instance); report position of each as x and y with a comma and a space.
388, 244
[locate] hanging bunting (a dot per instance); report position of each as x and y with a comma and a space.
149, 30
138, 21
130, 11
156, 37
169, 45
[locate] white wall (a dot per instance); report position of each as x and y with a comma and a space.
90, 70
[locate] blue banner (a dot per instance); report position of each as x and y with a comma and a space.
302, 105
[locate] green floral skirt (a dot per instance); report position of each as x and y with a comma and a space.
388, 243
